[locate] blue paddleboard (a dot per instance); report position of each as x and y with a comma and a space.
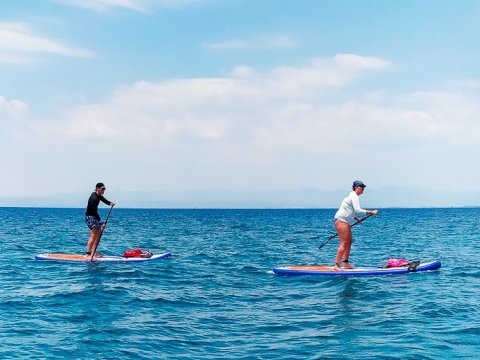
358, 271
86, 258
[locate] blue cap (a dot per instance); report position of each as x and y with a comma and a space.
357, 183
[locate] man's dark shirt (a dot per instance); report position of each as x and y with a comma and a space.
93, 202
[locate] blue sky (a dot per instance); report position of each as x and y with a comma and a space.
238, 97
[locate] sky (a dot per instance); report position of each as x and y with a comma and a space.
240, 101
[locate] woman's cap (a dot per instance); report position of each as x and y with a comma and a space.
357, 183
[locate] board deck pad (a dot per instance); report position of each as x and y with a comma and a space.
86, 258
358, 271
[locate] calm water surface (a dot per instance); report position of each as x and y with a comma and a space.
216, 297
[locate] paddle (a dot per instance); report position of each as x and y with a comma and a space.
98, 241
333, 236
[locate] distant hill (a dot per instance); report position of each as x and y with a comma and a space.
302, 198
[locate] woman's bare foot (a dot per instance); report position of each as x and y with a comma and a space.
347, 265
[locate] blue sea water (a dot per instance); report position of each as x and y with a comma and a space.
216, 298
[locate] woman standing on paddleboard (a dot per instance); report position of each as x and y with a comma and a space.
92, 218
344, 219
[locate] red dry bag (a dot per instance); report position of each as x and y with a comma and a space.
132, 253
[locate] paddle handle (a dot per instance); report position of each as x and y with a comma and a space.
98, 241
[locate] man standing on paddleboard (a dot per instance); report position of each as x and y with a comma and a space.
92, 218
344, 219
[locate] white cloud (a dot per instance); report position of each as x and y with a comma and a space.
455, 112
242, 71
18, 43
294, 107
102, 5
12, 109
219, 108
357, 62
258, 42
133, 5
289, 127
335, 72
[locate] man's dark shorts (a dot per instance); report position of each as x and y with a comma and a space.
92, 222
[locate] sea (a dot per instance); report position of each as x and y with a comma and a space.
217, 298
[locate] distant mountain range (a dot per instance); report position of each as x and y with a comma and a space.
302, 198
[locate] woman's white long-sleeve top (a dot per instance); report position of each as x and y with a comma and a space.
349, 208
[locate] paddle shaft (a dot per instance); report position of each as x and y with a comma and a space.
334, 236
101, 233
